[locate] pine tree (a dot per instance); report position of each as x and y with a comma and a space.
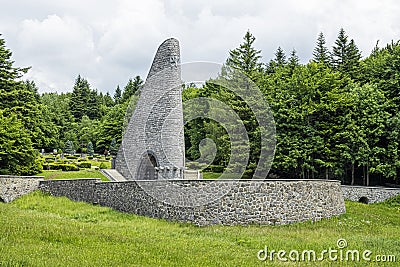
90, 149
8, 73
117, 95
340, 50
280, 57
31, 86
246, 58
20, 100
352, 66
293, 60
321, 52
131, 88
80, 97
111, 126
113, 147
278, 62
94, 102
346, 56
17, 155
69, 147
108, 100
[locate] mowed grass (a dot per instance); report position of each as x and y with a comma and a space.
85, 173
40, 230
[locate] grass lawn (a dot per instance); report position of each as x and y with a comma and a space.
39, 230
211, 175
85, 173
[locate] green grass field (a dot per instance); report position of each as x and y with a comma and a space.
85, 173
211, 175
39, 230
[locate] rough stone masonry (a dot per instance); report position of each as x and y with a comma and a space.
153, 144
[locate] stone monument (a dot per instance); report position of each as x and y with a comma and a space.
153, 143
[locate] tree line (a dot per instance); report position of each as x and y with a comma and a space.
81, 121
337, 116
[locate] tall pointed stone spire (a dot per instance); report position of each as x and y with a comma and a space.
153, 144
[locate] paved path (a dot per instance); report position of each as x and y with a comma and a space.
113, 175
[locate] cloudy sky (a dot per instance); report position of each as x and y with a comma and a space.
109, 42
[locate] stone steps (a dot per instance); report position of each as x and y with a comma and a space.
113, 175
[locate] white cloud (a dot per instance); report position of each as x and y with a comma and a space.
56, 48
109, 42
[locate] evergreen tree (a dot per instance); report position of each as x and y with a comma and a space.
383, 69
90, 149
17, 155
280, 57
293, 60
111, 127
113, 147
87, 131
321, 52
93, 105
131, 88
246, 58
31, 86
108, 100
352, 66
346, 56
69, 147
80, 97
340, 50
9, 75
84, 101
19, 101
278, 62
59, 115
117, 95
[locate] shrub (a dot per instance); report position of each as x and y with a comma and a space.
49, 166
85, 165
63, 167
103, 166
216, 168
69, 167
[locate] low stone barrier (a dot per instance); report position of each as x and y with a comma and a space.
369, 194
12, 187
244, 202
207, 202
76, 189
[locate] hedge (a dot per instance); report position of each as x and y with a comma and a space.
85, 165
64, 167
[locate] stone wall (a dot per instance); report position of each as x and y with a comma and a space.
244, 202
76, 190
12, 187
207, 202
372, 194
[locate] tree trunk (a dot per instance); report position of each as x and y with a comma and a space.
327, 173
367, 174
363, 175
352, 174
